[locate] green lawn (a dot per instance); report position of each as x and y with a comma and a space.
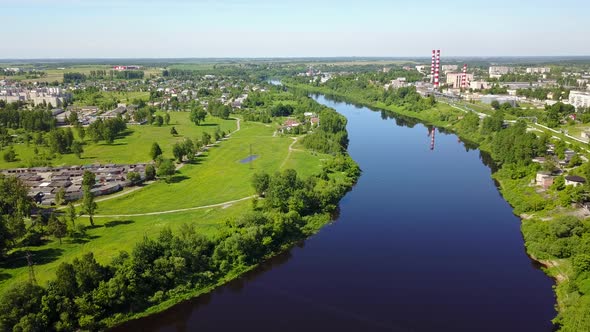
108, 238
217, 177
133, 147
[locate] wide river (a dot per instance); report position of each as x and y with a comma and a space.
423, 242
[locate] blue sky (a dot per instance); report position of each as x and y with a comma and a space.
288, 28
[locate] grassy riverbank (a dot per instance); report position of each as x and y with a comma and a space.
554, 236
216, 219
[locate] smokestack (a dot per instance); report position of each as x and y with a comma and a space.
437, 70
432, 67
464, 77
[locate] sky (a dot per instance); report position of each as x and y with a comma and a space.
35, 29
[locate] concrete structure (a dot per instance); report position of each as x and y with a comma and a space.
579, 99
497, 71
455, 79
538, 70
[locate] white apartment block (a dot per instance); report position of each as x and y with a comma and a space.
579, 99
538, 70
497, 71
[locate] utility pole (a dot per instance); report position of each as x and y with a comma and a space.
251, 157
32, 278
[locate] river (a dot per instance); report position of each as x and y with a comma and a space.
423, 242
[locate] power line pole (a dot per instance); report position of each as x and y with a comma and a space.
32, 278
251, 157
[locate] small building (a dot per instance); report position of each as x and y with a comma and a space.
574, 180
544, 180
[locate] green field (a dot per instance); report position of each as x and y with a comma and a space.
54, 74
133, 147
218, 176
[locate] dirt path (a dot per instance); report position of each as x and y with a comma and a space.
224, 205
290, 150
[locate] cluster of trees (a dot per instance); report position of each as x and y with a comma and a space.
514, 145
128, 74
62, 141
219, 109
106, 130
13, 116
556, 112
496, 90
565, 237
74, 78
331, 137
15, 206
408, 98
541, 93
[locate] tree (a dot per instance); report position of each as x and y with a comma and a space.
495, 104
178, 151
159, 121
60, 196
134, 177
15, 205
558, 183
173, 131
71, 213
150, 172
166, 169
260, 181
19, 301
10, 155
167, 118
57, 227
81, 132
206, 138
89, 206
88, 180
198, 115
155, 151
77, 149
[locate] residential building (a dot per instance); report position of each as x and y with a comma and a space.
497, 71
579, 99
538, 70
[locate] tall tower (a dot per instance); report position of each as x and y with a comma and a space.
432, 67
437, 70
464, 77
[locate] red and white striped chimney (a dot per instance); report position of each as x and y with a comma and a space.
437, 70
464, 77
432, 67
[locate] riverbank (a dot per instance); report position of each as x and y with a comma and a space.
516, 191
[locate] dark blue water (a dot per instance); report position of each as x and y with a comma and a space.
424, 242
